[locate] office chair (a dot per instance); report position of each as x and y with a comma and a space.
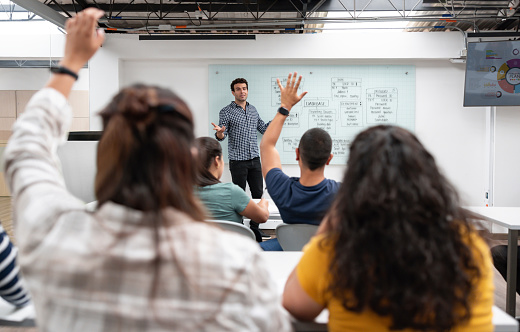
234, 227
293, 237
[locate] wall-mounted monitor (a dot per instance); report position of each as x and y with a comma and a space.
493, 74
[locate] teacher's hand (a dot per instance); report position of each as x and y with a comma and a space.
219, 130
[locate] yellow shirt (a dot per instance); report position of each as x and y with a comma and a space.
313, 275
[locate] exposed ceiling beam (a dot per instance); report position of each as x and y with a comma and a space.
279, 6
82, 3
316, 7
43, 11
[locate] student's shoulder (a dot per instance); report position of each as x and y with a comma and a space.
333, 184
276, 176
229, 186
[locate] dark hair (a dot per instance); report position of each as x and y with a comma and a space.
401, 241
237, 81
209, 149
144, 157
315, 147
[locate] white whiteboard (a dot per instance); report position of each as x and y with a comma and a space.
343, 100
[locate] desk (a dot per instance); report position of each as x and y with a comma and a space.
281, 264
508, 217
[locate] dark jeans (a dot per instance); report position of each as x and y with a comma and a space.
271, 245
250, 172
499, 254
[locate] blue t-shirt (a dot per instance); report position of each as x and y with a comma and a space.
224, 201
299, 204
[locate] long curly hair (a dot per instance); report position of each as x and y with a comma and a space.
145, 154
400, 238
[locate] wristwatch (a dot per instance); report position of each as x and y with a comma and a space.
283, 111
64, 70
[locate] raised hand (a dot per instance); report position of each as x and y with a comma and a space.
289, 94
83, 40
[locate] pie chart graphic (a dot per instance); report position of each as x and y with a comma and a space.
508, 76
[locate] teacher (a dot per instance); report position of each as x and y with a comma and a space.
240, 120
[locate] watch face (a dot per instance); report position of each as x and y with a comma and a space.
283, 111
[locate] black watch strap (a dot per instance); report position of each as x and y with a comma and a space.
64, 70
283, 111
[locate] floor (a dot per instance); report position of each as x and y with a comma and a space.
6, 221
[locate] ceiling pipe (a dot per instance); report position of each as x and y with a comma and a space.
43, 11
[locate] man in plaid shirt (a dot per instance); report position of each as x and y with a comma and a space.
240, 121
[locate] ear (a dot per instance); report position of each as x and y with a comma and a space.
216, 161
330, 158
297, 153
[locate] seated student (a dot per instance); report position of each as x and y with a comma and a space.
143, 260
225, 201
12, 285
302, 200
499, 255
395, 251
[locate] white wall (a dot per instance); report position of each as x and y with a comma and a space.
35, 79
454, 134
507, 156
32, 47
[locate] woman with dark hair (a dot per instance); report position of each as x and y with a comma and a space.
144, 260
395, 251
224, 201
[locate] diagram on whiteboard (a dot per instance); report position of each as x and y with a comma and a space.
343, 100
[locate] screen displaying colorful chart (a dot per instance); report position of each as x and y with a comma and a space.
493, 74
509, 76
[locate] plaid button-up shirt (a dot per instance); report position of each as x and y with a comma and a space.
107, 270
241, 127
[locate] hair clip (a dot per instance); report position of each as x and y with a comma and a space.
165, 109
170, 109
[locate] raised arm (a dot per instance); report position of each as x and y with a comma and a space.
32, 167
83, 40
289, 98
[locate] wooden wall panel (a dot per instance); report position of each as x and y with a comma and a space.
8, 102
6, 123
4, 135
80, 124
3, 186
13, 104
22, 98
79, 102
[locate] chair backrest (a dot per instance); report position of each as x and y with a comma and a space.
293, 237
234, 227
